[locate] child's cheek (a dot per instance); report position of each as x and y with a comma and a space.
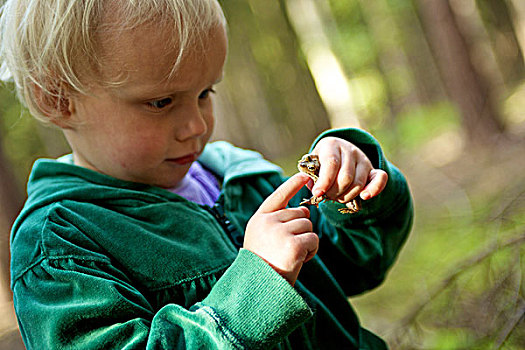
144, 151
119, 158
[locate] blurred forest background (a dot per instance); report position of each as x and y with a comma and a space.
441, 84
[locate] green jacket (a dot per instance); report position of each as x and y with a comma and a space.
103, 263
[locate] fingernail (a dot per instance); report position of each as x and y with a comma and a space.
317, 192
365, 195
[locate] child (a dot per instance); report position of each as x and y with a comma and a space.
147, 236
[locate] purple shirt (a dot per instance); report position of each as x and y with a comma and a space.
199, 186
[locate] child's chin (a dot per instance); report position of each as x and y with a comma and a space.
168, 183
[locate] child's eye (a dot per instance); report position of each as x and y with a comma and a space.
206, 93
160, 104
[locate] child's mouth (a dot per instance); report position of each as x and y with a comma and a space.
190, 158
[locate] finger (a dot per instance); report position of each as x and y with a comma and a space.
288, 214
377, 183
281, 196
330, 164
310, 184
362, 172
309, 242
357, 185
299, 226
345, 177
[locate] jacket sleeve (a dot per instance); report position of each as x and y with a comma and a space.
87, 303
359, 248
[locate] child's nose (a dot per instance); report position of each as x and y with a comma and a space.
193, 124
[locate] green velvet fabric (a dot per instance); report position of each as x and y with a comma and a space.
102, 263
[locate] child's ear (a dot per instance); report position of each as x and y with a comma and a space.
56, 104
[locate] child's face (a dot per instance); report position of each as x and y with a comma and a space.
150, 128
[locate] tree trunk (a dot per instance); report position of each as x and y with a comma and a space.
267, 100
503, 31
392, 59
518, 20
468, 89
309, 23
426, 77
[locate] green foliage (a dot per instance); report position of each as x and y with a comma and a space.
18, 131
370, 97
24, 139
419, 124
346, 12
355, 48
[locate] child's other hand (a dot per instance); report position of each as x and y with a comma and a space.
346, 172
282, 236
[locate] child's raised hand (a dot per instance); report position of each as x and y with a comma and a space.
282, 236
346, 172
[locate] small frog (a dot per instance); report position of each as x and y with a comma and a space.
310, 165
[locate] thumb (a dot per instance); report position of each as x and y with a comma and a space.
281, 196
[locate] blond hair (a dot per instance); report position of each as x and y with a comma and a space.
49, 46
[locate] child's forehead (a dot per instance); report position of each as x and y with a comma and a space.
148, 54
118, 49
137, 39
155, 43
137, 48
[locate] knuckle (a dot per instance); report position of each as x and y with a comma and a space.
332, 161
346, 178
346, 198
302, 212
356, 152
306, 211
306, 224
314, 238
359, 184
329, 140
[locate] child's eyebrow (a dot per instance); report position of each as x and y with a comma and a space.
146, 90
